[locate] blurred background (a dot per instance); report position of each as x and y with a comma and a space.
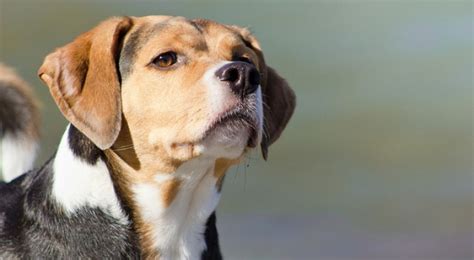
377, 161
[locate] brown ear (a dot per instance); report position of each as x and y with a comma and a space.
279, 102
278, 98
84, 82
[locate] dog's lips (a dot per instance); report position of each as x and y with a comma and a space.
240, 117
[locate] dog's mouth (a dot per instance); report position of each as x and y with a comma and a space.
234, 121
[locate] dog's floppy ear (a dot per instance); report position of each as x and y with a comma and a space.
278, 98
85, 83
278, 105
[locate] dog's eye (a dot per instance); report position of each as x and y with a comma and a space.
166, 59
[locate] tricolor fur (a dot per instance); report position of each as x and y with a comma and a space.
19, 118
160, 107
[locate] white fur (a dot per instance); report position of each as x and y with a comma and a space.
178, 230
218, 95
18, 155
221, 99
79, 184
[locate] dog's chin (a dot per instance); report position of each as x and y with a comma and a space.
231, 134
228, 137
224, 144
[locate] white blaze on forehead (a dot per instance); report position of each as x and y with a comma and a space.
78, 184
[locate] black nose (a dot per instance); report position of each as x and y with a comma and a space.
243, 78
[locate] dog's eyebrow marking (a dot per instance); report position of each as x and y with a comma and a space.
135, 42
133, 45
142, 35
197, 25
201, 24
128, 54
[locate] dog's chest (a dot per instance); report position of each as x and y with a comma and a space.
176, 225
170, 211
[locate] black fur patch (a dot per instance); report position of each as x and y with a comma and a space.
15, 110
198, 25
83, 147
32, 225
10, 214
211, 237
128, 53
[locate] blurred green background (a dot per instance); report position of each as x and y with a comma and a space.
377, 160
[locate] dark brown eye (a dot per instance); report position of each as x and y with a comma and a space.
166, 59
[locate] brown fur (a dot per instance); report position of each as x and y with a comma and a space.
220, 168
124, 177
83, 80
154, 119
169, 189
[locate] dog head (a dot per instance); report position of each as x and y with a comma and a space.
169, 87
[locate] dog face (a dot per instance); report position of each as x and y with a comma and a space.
172, 88
198, 96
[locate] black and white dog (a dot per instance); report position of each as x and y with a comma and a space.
159, 108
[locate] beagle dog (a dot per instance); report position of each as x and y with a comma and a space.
159, 108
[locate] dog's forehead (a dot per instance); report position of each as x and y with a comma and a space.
153, 34
178, 23
156, 30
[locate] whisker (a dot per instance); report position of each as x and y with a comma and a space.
127, 145
123, 148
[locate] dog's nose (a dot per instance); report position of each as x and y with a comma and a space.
243, 78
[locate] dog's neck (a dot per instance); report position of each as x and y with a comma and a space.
172, 213
170, 210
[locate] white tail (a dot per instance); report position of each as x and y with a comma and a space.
19, 120
18, 155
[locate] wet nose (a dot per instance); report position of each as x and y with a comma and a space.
242, 77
